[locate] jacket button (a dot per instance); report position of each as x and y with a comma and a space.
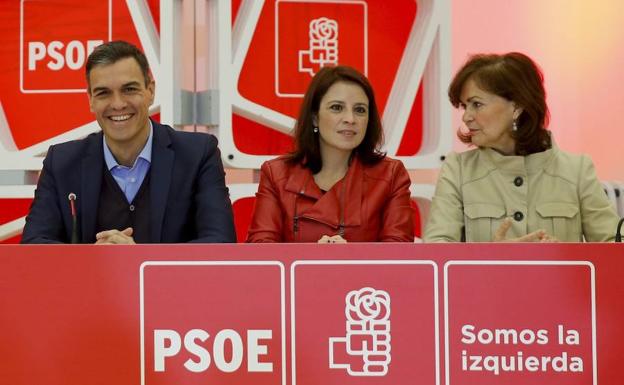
518, 181
518, 216
131, 207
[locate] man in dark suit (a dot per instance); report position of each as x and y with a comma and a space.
136, 181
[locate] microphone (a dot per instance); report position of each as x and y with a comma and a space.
618, 232
72, 205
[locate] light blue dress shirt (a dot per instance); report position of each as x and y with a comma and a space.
129, 179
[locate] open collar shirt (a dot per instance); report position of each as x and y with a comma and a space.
130, 179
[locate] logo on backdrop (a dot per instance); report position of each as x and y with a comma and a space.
367, 337
53, 62
323, 49
43, 60
303, 48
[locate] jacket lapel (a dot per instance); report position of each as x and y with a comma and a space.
301, 182
90, 183
353, 193
344, 198
160, 179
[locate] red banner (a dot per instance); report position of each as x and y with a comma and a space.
309, 314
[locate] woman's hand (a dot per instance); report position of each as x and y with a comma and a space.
536, 236
332, 239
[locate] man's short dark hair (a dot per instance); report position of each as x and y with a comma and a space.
112, 52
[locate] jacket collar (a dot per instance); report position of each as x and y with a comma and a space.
160, 180
301, 181
344, 199
90, 183
520, 163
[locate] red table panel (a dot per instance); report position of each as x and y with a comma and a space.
296, 314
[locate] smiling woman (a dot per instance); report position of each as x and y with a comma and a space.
336, 185
516, 185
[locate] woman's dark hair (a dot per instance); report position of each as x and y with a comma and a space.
515, 77
307, 148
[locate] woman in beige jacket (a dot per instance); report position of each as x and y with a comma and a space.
516, 185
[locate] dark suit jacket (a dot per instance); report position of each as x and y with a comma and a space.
188, 197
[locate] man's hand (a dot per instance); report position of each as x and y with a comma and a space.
537, 236
115, 237
332, 239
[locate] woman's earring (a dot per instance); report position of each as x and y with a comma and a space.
315, 129
514, 127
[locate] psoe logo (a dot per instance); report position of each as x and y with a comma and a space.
367, 337
168, 343
327, 33
201, 324
54, 50
323, 49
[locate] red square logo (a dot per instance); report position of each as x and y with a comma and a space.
310, 35
364, 322
212, 322
54, 49
516, 322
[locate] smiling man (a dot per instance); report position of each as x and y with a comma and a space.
136, 181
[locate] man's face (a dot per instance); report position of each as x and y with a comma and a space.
120, 101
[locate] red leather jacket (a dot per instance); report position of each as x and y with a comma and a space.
373, 202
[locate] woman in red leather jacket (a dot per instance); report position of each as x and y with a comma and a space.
336, 186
